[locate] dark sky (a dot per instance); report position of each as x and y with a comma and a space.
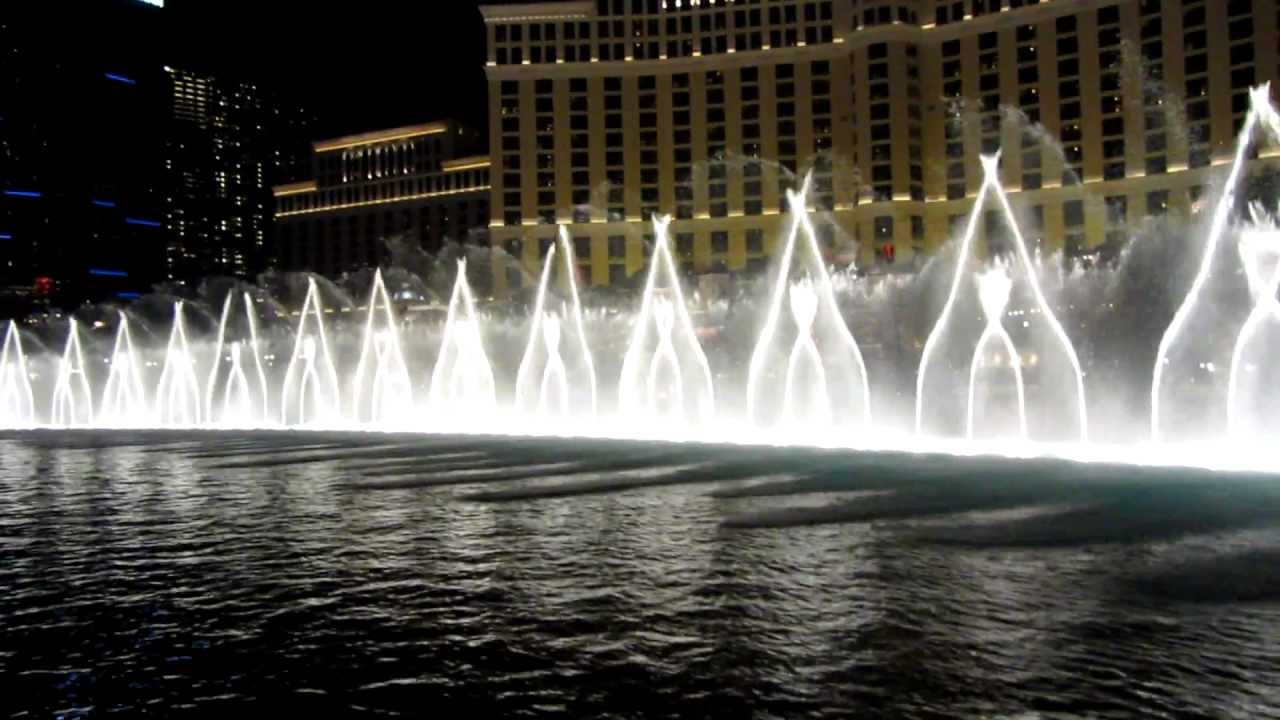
359, 65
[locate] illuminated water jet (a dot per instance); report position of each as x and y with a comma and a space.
1262, 115
382, 392
72, 399
543, 366
462, 379
991, 186
309, 394
17, 401
838, 388
1260, 253
178, 400
994, 287
124, 399
663, 339
244, 400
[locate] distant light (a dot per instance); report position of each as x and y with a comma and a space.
99, 272
157, 3
6, 236
121, 79
23, 193
128, 295
103, 203
141, 221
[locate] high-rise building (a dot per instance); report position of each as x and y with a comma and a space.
229, 141
605, 112
421, 183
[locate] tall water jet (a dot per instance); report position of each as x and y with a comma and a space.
822, 372
178, 400
381, 389
665, 375
557, 376
234, 396
1061, 412
72, 399
462, 381
1262, 116
309, 394
17, 401
124, 399
1253, 405
994, 287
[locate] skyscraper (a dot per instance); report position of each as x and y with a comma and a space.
228, 142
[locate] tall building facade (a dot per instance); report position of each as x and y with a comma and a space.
229, 142
421, 183
605, 112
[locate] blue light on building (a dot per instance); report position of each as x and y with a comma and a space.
121, 79
99, 272
23, 193
128, 295
140, 221
6, 236
103, 203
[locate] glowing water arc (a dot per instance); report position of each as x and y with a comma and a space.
1261, 114
178, 400
462, 379
991, 183
17, 401
820, 286
387, 397
309, 394
550, 341
72, 398
664, 318
245, 400
124, 398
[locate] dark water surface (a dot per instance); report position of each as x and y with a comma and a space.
200, 575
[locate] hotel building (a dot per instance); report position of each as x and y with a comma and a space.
418, 182
604, 112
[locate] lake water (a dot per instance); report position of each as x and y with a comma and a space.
205, 574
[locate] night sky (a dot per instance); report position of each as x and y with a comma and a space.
379, 63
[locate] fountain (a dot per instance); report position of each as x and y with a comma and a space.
309, 395
178, 401
994, 287
1062, 393
545, 384
462, 383
997, 371
382, 392
665, 374
17, 401
244, 400
1262, 116
1251, 354
72, 399
820, 388
124, 402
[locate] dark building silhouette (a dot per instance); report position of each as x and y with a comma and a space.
120, 167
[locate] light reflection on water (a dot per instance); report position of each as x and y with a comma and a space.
141, 571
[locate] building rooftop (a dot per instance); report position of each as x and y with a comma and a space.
538, 11
377, 136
